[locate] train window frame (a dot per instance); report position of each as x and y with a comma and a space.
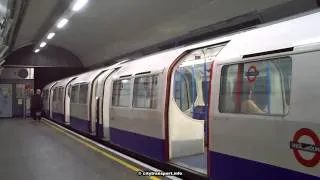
158, 92
130, 80
271, 58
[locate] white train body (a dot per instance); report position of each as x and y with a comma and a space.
262, 97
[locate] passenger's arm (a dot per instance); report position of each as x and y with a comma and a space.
250, 107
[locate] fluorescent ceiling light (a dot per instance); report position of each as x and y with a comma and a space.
37, 50
79, 5
50, 35
43, 44
62, 23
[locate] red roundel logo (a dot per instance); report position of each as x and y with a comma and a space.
298, 146
252, 73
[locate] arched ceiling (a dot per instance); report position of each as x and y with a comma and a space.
105, 29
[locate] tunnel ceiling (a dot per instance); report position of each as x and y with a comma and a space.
108, 28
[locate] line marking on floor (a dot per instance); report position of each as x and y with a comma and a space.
83, 140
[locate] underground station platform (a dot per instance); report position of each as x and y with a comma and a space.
43, 151
206, 89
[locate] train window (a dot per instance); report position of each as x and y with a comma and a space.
83, 94
55, 94
182, 88
261, 87
74, 94
145, 92
191, 81
61, 92
57, 91
121, 92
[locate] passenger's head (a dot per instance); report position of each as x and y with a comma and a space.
38, 91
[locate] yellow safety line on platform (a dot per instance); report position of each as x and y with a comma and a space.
101, 151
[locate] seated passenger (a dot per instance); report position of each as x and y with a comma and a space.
248, 106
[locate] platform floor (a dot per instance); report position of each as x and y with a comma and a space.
36, 151
196, 162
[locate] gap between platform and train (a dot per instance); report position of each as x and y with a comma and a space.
96, 147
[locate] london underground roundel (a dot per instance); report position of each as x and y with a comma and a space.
298, 146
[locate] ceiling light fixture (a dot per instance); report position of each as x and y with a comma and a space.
62, 23
79, 5
50, 35
37, 50
43, 44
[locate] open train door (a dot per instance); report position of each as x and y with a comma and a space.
188, 108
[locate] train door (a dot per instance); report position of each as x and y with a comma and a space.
97, 109
50, 102
45, 94
67, 104
105, 104
188, 109
93, 106
96, 103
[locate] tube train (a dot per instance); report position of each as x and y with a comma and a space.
244, 105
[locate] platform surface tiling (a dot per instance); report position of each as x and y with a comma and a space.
36, 151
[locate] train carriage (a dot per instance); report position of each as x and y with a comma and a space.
137, 105
264, 119
80, 96
61, 101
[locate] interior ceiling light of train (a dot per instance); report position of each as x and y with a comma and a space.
75, 7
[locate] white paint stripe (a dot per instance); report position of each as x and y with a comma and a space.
113, 151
